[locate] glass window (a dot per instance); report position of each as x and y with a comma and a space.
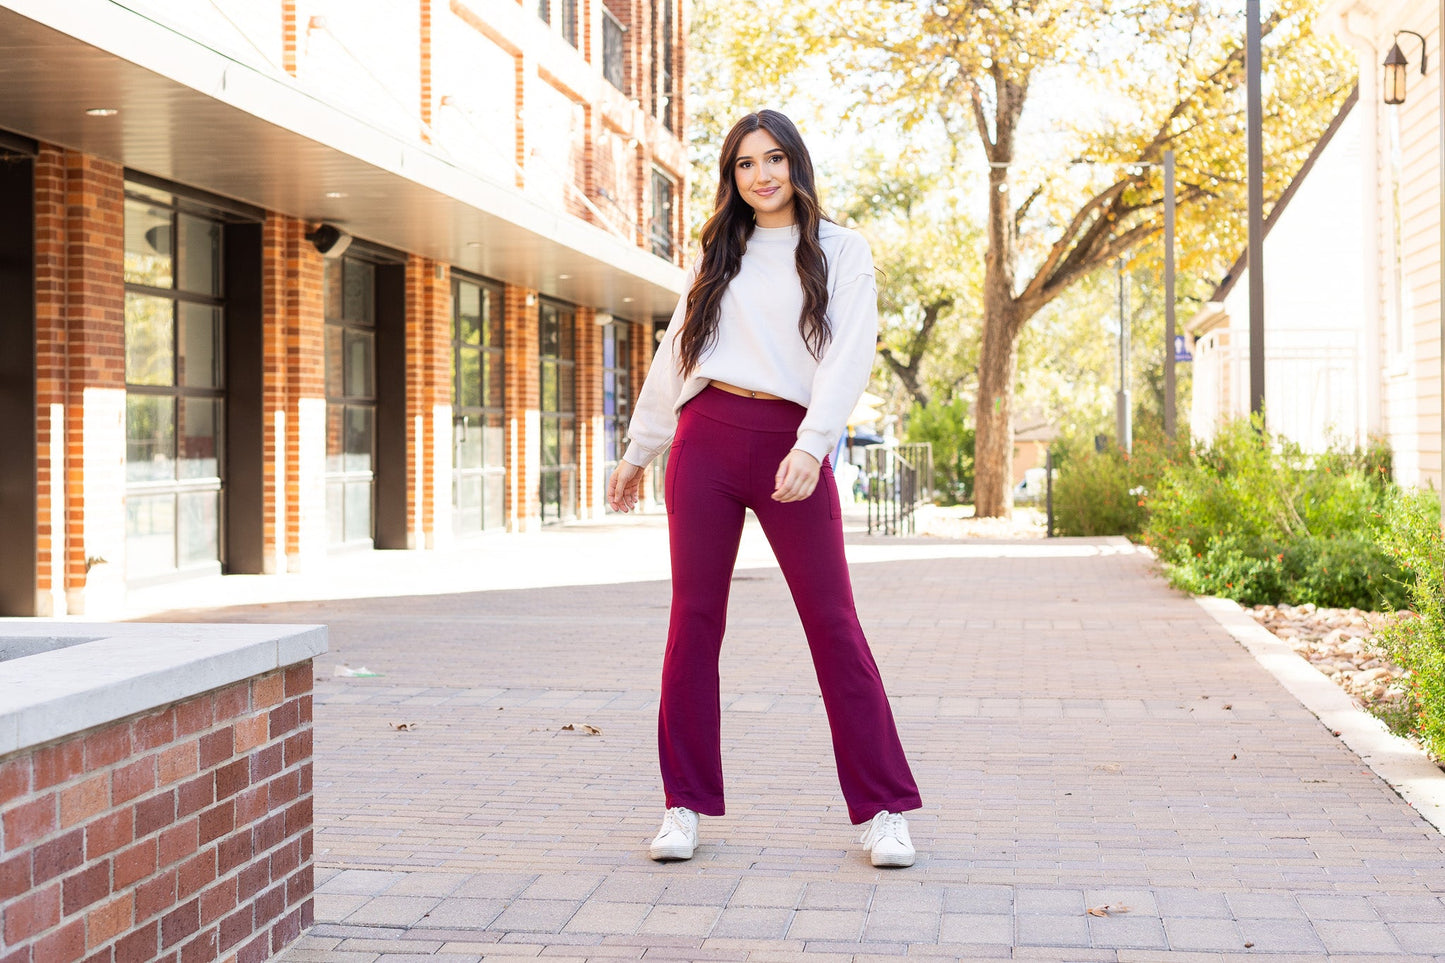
469, 378
150, 438
612, 50
558, 481
360, 368
200, 438
148, 231
199, 251
149, 340
150, 533
478, 458
359, 292
350, 311
569, 21
359, 446
199, 346
662, 193
200, 527
175, 386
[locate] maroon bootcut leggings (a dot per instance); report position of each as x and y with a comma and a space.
724, 459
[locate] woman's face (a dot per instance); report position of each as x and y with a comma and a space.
761, 174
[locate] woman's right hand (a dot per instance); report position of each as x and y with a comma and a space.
623, 487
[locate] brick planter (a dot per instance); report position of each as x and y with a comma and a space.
179, 832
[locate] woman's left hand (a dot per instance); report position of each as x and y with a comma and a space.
797, 477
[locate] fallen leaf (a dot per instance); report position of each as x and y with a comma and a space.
1248, 945
405, 726
583, 728
1098, 911
1106, 909
1228, 706
1234, 755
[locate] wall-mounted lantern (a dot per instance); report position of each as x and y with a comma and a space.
1395, 64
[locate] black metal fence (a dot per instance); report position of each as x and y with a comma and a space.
895, 482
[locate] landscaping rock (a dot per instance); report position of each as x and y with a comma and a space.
1341, 644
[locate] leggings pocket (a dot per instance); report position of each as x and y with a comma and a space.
669, 478
830, 482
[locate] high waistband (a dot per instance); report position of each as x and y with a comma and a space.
757, 414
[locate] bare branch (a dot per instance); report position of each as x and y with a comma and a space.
1067, 238
1023, 208
980, 118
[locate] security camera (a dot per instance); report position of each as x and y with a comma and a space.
331, 241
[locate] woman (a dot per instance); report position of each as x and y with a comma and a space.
764, 359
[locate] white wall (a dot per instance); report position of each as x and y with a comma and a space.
1314, 312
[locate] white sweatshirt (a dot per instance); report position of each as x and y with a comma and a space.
758, 346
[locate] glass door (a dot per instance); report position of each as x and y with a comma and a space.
350, 402
616, 392
558, 349
479, 466
175, 392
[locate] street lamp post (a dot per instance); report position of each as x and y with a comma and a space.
1169, 293
1123, 417
1255, 144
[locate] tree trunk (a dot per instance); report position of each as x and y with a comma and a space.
993, 455
998, 361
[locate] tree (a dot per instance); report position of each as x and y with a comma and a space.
972, 64
927, 252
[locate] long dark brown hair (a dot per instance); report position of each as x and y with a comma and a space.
726, 233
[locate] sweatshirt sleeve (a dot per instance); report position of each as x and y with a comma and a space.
846, 365
654, 417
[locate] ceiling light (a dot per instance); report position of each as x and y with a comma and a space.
564, 277
626, 300
102, 111
336, 195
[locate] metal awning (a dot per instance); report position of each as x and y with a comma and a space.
202, 118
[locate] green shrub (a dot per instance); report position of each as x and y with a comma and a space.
1254, 518
945, 426
1108, 492
1349, 571
1412, 537
1249, 571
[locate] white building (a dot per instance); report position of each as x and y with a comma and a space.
1317, 362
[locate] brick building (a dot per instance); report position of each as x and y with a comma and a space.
285, 279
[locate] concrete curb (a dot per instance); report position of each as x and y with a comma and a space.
1402, 765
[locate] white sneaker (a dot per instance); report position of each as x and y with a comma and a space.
677, 839
887, 840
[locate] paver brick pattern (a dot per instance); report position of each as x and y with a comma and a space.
1083, 736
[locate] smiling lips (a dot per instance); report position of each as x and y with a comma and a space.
766, 191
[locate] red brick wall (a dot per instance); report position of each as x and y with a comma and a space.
589, 410
288, 36
425, 61
428, 384
304, 319
50, 364
274, 379
523, 396
179, 836
95, 326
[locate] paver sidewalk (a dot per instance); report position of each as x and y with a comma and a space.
1083, 736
